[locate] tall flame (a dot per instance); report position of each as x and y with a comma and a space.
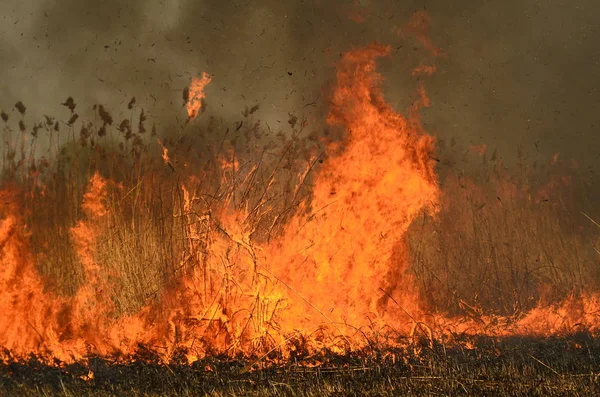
348, 253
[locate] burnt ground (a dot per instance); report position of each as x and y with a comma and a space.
510, 366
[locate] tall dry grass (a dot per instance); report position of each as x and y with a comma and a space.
161, 215
504, 240
507, 238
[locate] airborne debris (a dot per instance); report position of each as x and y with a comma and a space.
20, 107
70, 103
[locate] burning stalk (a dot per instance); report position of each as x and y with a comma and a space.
194, 95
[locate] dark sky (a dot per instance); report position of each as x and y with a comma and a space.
516, 72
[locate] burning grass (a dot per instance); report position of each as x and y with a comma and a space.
505, 367
273, 250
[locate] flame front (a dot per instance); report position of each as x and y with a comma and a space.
337, 270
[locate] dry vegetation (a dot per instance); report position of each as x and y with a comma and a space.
160, 211
504, 242
508, 239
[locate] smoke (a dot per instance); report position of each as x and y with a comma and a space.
514, 73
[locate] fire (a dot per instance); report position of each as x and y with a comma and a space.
347, 254
196, 94
165, 155
336, 274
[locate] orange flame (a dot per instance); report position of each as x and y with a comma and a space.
338, 269
196, 94
350, 248
165, 155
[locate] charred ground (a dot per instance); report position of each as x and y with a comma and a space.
504, 367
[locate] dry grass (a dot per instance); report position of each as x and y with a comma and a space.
503, 241
159, 214
507, 240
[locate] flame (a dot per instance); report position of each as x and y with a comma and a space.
338, 269
349, 248
165, 155
196, 94
41, 323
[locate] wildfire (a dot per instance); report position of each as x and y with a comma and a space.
338, 269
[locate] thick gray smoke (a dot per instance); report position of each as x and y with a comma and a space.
516, 72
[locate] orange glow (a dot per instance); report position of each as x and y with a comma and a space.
196, 94
418, 27
479, 149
